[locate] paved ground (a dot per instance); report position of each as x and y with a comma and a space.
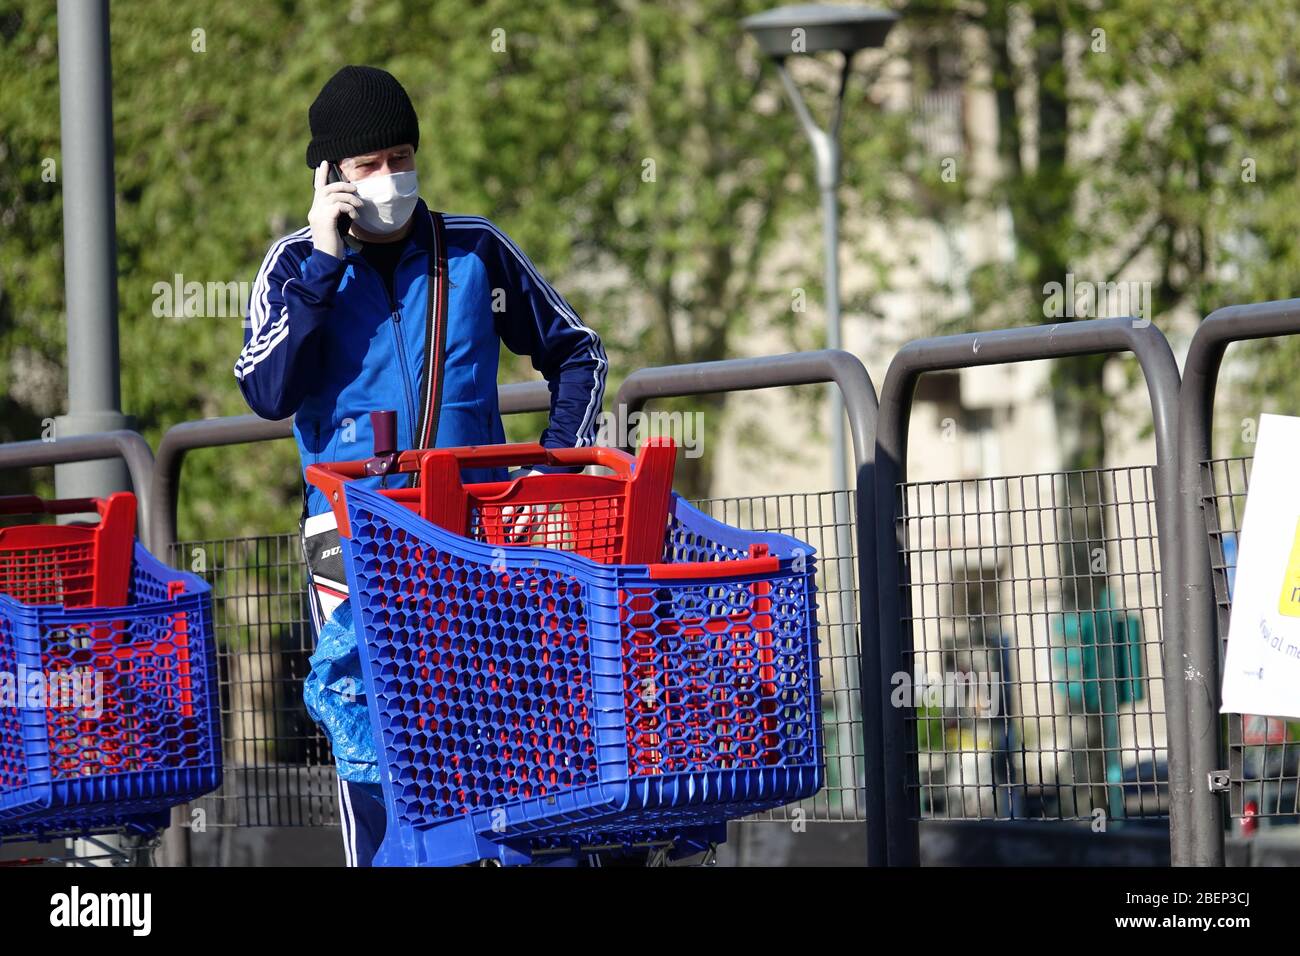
775, 844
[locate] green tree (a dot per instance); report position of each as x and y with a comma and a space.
1136, 138
1139, 135
639, 153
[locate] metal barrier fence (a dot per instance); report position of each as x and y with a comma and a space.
126, 445
1262, 772
985, 577
1050, 607
278, 766
278, 770
1038, 690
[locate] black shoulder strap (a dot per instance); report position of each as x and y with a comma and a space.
435, 338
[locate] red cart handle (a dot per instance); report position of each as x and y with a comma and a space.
481, 456
760, 561
331, 477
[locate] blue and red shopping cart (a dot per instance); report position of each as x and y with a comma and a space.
567, 660
109, 699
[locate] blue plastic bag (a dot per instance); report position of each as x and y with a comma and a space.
335, 699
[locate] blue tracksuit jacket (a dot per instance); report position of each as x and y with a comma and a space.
324, 342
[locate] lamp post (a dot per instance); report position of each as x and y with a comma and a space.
806, 29
89, 244
89, 265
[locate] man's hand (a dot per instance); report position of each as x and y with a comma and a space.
331, 201
522, 522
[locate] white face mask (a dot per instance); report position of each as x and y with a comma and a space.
386, 201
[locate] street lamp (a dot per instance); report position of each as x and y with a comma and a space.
816, 28
809, 29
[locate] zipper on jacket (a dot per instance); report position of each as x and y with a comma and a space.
395, 317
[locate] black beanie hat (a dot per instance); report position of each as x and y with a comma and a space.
360, 110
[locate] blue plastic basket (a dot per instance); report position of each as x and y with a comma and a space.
148, 739
529, 697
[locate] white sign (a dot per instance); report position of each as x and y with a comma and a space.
1261, 674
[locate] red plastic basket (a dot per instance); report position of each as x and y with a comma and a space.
611, 519
76, 565
86, 607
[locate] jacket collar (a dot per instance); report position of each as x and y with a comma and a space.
419, 239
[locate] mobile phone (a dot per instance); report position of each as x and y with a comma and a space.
335, 175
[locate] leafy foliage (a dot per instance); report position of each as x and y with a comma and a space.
636, 151
646, 160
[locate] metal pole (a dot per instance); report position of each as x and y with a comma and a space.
89, 249
834, 337
89, 243
826, 154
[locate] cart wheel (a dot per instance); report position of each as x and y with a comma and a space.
658, 856
140, 850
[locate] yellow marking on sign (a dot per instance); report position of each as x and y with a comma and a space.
1289, 602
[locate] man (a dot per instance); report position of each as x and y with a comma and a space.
382, 303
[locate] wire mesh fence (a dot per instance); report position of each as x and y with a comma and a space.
278, 766
1034, 686
1263, 752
